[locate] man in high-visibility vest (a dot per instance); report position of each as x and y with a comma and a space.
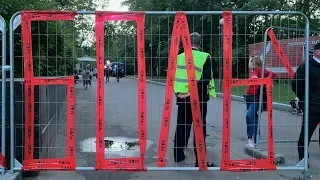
205, 83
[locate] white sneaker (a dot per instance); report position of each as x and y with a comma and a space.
251, 143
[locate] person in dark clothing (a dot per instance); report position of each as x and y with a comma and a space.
298, 86
86, 77
107, 73
184, 119
76, 78
117, 68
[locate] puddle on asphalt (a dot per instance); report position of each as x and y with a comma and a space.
127, 145
115, 146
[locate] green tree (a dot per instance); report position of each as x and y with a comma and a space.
56, 45
247, 29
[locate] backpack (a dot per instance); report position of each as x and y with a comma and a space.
264, 98
252, 98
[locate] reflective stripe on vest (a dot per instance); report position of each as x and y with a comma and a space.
181, 81
195, 68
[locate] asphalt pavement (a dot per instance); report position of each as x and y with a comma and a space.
121, 122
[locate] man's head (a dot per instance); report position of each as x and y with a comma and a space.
195, 39
316, 50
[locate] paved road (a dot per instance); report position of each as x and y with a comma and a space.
121, 120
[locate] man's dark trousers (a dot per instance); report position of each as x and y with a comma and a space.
313, 123
184, 122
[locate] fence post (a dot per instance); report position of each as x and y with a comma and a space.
306, 111
250, 166
12, 137
3, 117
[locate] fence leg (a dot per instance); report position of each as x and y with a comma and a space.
12, 138
4, 82
306, 113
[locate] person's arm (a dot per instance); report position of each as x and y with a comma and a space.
269, 74
82, 73
298, 82
206, 74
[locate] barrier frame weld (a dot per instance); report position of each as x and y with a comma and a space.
285, 62
181, 31
29, 163
280, 52
3, 161
120, 164
229, 82
241, 165
282, 55
268, 163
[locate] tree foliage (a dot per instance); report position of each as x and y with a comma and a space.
247, 29
68, 40
56, 45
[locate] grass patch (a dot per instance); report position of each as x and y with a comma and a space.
282, 92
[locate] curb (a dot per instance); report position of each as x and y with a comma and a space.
277, 106
14, 176
262, 154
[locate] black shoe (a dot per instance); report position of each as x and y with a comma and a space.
30, 174
208, 165
179, 158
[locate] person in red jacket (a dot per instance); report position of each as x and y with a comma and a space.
252, 99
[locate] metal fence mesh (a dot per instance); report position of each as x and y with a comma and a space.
53, 56
248, 35
1, 56
4, 109
72, 48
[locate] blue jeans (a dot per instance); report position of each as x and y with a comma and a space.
252, 119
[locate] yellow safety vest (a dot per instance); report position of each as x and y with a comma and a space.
181, 82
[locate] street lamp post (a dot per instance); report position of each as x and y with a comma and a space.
221, 52
150, 45
125, 56
158, 54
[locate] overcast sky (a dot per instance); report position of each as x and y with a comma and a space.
114, 5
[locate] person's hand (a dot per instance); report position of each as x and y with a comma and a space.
183, 95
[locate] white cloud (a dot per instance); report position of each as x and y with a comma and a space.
113, 5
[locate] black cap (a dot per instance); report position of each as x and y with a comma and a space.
316, 46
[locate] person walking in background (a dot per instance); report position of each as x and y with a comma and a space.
205, 83
117, 68
298, 87
107, 73
86, 77
90, 76
75, 76
252, 99
95, 73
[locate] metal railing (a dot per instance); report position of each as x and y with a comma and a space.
4, 68
15, 22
